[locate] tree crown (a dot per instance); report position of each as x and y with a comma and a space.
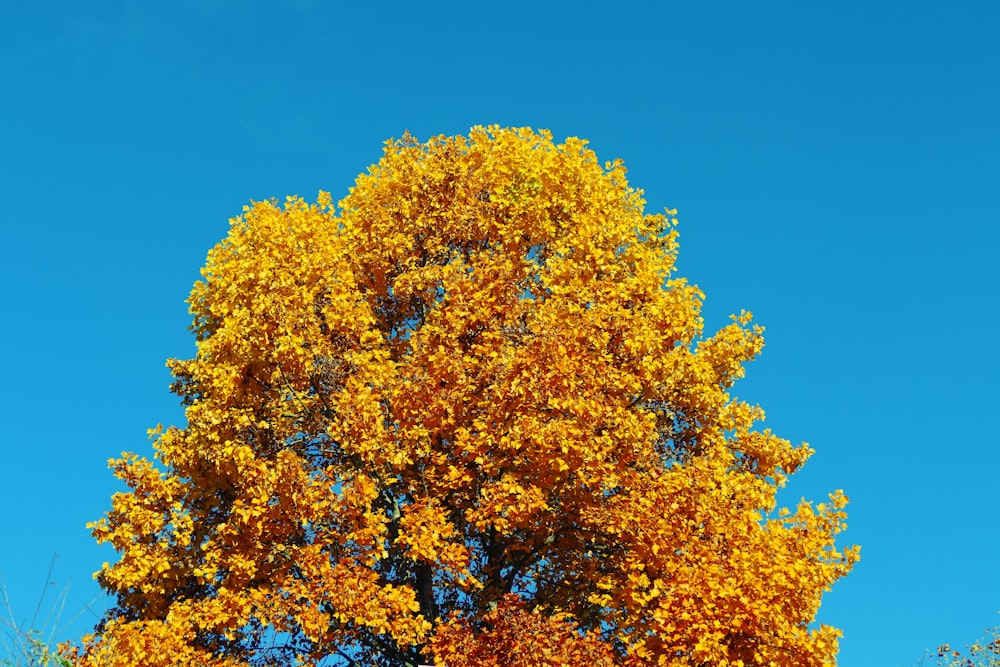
466, 415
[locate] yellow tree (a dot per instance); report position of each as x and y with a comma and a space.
465, 416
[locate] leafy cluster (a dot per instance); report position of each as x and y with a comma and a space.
982, 653
465, 416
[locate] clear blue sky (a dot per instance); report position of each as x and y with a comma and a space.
836, 167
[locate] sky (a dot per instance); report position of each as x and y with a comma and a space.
836, 167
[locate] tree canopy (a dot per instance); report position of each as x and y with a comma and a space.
467, 415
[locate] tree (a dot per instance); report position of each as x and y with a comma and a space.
983, 653
466, 416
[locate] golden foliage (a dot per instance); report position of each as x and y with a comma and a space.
467, 414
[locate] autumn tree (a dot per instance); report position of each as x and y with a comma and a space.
465, 416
